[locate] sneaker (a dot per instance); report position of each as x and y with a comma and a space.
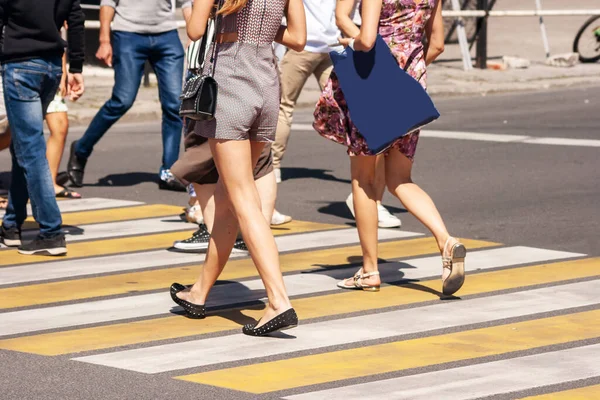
10, 237
198, 241
169, 182
240, 246
277, 173
54, 246
385, 218
280, 219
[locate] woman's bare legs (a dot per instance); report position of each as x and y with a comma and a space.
5, 139
58, 123
237, 199
417, 202
364, 190
267, 191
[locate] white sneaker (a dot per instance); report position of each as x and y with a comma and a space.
277, 173
280, 219
385, 218
350, 204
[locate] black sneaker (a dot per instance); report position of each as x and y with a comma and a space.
240, 246
10, 237
54, 246
198, 241
168, 181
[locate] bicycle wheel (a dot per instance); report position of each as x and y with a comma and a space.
587, 41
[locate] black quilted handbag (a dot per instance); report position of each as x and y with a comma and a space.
199, 94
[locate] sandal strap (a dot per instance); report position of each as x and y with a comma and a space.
447, 263
369, 274
359, 277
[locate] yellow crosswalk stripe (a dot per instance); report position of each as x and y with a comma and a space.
236, 269
138, 243
114, 215
584, 393
122, 334
403, 355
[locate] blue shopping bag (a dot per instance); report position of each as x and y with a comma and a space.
385, 102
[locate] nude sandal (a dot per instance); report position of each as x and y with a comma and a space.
357, 282
456, 264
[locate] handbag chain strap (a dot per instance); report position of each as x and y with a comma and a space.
217, 30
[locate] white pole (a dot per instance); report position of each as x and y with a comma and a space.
462, 39
538, 6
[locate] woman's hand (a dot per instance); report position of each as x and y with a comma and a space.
347, 42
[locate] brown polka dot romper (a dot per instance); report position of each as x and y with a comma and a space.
246, 71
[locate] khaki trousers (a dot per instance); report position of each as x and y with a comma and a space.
295, 70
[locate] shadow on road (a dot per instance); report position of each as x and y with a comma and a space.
340, 209
126, 179
299, 173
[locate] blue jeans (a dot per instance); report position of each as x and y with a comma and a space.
130, 52
29, 86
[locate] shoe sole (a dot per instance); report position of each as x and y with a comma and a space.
457, 277
57, 251
11, 242
390, 225
180, 246
238, 251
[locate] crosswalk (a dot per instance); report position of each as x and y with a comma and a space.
528, 318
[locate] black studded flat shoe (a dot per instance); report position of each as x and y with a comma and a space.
286, 320
196, 311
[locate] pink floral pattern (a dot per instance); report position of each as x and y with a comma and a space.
402, 26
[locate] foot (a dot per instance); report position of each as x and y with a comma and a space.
369, 281
10, 237
62, 192
43, 246
169, 182
280, 219
277, 173
76, 167
453, 263
273, 321
198, 242
387, 219
193, 307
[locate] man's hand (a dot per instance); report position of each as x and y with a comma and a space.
105, 53
75, 86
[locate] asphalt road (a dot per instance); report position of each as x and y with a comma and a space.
517, 194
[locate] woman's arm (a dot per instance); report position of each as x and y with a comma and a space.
343, 21
196, 25
293, 35
435, 34
370, 13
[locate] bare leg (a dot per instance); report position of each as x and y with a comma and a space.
380, 178
5, 139
417, 202
363, 171
237, 199
206, 198
267, 190
58, 123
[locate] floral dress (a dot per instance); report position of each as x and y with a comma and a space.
402, 26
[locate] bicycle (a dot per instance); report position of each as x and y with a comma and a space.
587, 41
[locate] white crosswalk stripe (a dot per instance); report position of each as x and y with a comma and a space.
93, 312
128, 262
204, 352
476, 381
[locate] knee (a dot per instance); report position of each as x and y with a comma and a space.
120, 104
365, 178
394, 181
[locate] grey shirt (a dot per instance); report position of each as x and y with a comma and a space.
145, 16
